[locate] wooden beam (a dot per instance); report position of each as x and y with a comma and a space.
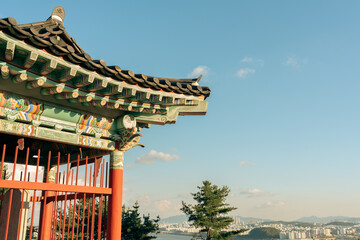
155, 98
97, 85
127, 93
48, 67
167, 100
30, 59
112, 89
21, 77
113, 105
142, 96
34, 84
126, 107
59, 88
83, 99
52, 187
67, 95
5, 72
70, 197
191, 102
68, 74
10, 50
138, 109
179, 101
148, 110
100, 102
84, 80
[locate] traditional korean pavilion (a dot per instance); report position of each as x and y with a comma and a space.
62, 111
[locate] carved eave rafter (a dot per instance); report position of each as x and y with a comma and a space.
172, 114
64, 83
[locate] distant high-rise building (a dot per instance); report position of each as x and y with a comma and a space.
283, 235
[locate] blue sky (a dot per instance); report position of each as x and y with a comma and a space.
282, 129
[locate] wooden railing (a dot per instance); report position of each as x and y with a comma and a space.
70, 202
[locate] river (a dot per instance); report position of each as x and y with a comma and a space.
164, 236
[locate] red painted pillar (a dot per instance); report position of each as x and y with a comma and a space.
47, 210
115, 199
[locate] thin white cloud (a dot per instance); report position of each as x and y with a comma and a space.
163, 205
144, 200
292, 62
184, 195
174, 150
154, 156
272, 204
295, 62
252, 61
199, 70
253, 193
246, 163
166, 207
129, 165
244, 72
247, 59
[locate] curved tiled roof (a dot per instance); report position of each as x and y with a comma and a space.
51, 36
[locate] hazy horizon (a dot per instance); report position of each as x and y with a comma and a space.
308, 218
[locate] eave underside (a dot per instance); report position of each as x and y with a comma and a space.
52, 79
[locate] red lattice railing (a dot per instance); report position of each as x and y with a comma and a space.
70, 203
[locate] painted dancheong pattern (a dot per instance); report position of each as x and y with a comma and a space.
93, 142
24, 129
90, 124
17, 128
16, 107
117, 160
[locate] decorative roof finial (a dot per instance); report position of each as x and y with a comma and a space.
58, 14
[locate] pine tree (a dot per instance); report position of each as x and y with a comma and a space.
209, 214
135, 228
85, 220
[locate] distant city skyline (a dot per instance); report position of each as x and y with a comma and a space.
282, 128
311, 228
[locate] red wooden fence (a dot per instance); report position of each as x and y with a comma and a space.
71, 203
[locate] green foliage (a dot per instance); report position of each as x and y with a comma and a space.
264, 233
4, 176
135, 228
344, 224
34, 232
209, 214
85, 221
